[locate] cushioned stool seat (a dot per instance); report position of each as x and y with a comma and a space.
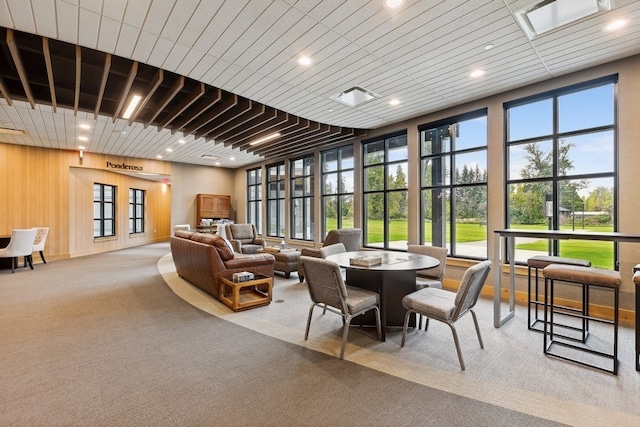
587, 277
539, 262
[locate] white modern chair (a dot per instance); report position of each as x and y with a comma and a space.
40, 240
21, 244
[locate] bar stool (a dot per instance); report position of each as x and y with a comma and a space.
588, 277
540, 262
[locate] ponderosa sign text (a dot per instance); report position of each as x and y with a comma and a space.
124, 166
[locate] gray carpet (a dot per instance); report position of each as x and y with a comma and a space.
102, 340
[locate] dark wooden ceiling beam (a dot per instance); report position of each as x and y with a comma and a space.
24, 79
280, 125
201, 108
195, 94
232, 127
310, 148
5, 92
256, 126
321, 132
177, 87
228, 101
148, 93
47, 60
103, 84
127, 88
244, 105
76, 97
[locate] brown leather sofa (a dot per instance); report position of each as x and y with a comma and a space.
203, 258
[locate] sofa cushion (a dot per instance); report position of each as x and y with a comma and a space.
242, 261
218, 242
242, 232
184, 234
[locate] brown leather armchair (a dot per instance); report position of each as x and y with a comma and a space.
351, 238
244, 238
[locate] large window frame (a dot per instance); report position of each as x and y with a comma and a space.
385, 196
453, 193
254, 198
276, 200
302, 188
337, 175
570, 176
137, 200
104, 210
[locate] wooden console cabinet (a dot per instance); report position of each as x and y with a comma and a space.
212, 206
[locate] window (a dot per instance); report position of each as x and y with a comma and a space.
562, 169
385, 192
254, 198
337, 189
104, 210
453, 166
136, 210
302, 186
275, 200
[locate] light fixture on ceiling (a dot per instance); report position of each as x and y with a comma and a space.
477, 73
265, 139
169, 150
489, 46
394, 102
132, 106
616, 25
181, 141
392, 4
9, 131
548, 15
84, 126
305, 61
355, 96
209, 157
83, 138
159, 156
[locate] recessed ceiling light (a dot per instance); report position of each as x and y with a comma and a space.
169, 150
265, 139
394, 102
305, 60
81, 147
616, 25
132, 106
489, 46
159, 156
181, 141
84, 126
232, 158
476, 73
217, 163
392, 4
83, 138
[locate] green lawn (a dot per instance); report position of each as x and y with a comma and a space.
599, 253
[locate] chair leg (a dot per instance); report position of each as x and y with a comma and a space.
378, 323
14, 264
42, 256
457, 343
29, 259
475, 322
345, 334
426, 324
404, 328
306, 332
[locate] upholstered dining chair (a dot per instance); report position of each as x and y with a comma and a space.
328, 290
431, 278
40, 240
351, 238
21, 244
446, 306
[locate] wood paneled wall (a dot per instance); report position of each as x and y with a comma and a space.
47, 187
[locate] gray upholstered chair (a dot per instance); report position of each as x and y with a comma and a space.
351, 238
328, 290
244, 238
40, 240
21, 244
446, 306
431, 278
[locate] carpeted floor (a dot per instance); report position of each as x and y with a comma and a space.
102, 340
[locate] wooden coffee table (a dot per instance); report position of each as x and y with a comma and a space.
244, 295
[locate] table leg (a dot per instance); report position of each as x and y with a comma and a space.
498, 320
